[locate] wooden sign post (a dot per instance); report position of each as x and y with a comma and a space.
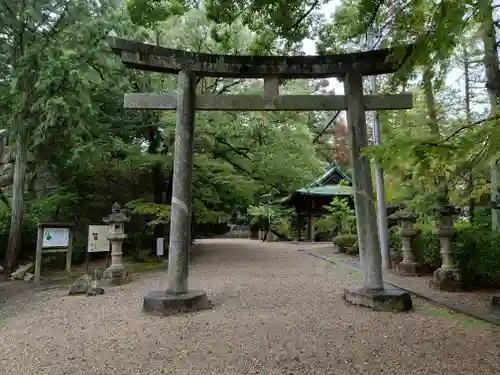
53, 238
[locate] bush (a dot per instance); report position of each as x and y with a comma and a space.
344, 241
476, 252
353, 250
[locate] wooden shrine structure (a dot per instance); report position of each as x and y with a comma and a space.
189, 67
309, 201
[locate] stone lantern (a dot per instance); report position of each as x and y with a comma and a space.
409, 265
448, 277
116, 273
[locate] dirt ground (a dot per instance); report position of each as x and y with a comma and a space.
277, 311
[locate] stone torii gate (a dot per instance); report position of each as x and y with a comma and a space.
189, 66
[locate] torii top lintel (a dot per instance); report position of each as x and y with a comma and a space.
159, 59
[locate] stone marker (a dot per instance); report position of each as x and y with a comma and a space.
28, 276
94, 289
80, 285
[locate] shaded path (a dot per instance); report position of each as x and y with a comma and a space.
278, 311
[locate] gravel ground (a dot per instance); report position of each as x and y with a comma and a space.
277, 311
479, 300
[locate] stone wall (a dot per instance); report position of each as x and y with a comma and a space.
40, 182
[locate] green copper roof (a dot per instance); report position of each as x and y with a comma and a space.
327, 190
323, 179
322, 188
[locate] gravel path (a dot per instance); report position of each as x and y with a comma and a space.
278, 311
477, 300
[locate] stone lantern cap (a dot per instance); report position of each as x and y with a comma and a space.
116, 216
404, 215
448, 210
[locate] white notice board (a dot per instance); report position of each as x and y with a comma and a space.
55, 237
98, 241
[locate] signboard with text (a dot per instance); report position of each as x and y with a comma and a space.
98, 241
55, 237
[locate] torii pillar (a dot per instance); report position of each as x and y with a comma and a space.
372, 293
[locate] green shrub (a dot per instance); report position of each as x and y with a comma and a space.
476, 252
344, 241
353, 250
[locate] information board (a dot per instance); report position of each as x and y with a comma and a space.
98, 241
55, 237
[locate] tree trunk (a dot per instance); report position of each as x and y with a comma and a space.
432, 123
490, 60
470, 177
17, 208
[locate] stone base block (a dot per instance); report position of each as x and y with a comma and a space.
447, 280
80, 286
410, 269
95, 291
115, 276
495, 303
389, 299
165, 304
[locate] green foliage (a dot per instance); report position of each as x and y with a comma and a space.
345, 241
340, 218
149, 13
67, 88
156, 213
280, 218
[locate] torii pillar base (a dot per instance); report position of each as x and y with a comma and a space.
163, 303
387, 299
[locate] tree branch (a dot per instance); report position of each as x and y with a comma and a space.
462, 128
227, 87
326, 127
304, 16
234, 149
54, 29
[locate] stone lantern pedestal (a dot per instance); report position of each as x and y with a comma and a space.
448, 277
495, 303
116, 274
408, 266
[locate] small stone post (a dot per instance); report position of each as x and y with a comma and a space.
448, 276
310, 225
408, 266
116, 274
299, 227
